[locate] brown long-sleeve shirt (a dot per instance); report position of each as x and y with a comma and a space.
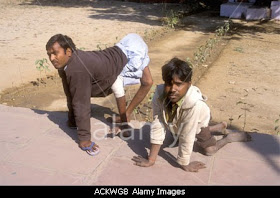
89, 74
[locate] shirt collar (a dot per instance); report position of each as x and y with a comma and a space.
163, 98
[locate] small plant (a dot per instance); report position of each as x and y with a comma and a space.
149, 112
172, 19
222, 31
219, 31
42, 65
152, 92
246, 109
188, 60
98, 46
81, 48
277, 128
201, 54
117, 39
204, 51
230, 121
239, 49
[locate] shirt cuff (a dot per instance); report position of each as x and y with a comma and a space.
157, 134
156, 142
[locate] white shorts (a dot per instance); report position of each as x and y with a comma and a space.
136, 51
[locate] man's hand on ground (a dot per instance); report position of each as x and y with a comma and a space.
123, 130
115, 130
193, 166
141, 161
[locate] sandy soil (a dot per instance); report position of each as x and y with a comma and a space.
243, 83
241, 69
26, 26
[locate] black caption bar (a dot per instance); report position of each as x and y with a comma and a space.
147, 191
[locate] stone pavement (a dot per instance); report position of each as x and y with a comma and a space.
37, 148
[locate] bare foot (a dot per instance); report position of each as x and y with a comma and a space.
90, 147
84, 144
221, 128
193, 166
238, 137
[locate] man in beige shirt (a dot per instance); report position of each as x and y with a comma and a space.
180, 107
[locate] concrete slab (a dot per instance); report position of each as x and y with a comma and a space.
253, 13
133, 175
8, 148
243, 172
236, 1
234, 10
48, 154
10, 131
16, 174
275, 10
264, 147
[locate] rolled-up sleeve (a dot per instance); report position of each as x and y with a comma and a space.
193, 120
158, 131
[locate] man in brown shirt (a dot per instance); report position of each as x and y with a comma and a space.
85, 74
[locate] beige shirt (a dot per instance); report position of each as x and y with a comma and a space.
191, 116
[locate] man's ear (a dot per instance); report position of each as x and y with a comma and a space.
69, 52
189, 83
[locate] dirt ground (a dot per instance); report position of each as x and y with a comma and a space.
27, 25
241, 79
243, 84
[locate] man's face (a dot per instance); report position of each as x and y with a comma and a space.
58, 56
176, 89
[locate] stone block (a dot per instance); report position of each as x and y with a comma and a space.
254, 13
275, 10
234, 10
236, 1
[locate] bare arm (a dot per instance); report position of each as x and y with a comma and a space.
124, 127
146, 84
122, 108
141, 161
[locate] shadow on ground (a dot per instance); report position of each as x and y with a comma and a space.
144, 13
139, 143
265, 26
114, 10
264, 145
60, 118
267, 146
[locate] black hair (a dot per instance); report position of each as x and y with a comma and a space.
63, 40
176, 67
